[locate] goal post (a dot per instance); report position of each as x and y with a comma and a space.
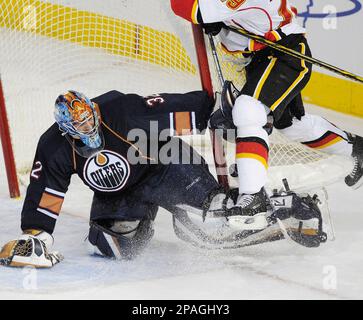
8, 152
206, 80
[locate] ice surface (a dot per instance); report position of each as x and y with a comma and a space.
171, 269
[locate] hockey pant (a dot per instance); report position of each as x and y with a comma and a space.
274, 84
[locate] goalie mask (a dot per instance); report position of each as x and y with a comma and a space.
79, 120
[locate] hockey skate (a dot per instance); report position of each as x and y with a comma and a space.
355, 178
250, 211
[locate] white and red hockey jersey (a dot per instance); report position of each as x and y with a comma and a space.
272, 19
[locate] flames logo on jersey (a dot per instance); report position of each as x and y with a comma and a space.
107, 171
234, 4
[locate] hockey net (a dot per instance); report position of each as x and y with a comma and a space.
48, 47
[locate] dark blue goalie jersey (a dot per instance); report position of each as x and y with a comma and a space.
131, 125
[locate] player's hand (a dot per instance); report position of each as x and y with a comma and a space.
31, 249
273, 36
213, 28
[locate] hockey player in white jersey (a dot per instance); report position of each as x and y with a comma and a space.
273, 87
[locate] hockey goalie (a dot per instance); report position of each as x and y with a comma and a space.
92, 138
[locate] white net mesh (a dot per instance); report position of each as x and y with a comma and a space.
48, 47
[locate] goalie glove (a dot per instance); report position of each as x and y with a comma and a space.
31, 249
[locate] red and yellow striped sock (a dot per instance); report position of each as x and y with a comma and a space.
252, 148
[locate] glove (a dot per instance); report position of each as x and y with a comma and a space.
222, 118
213, 28
274, 36
31, 249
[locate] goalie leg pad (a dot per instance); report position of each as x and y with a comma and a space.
302, 217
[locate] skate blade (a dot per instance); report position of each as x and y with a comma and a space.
256, 222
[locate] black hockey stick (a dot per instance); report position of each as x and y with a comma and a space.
296, 54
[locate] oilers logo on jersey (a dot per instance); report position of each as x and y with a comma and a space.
107, 171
